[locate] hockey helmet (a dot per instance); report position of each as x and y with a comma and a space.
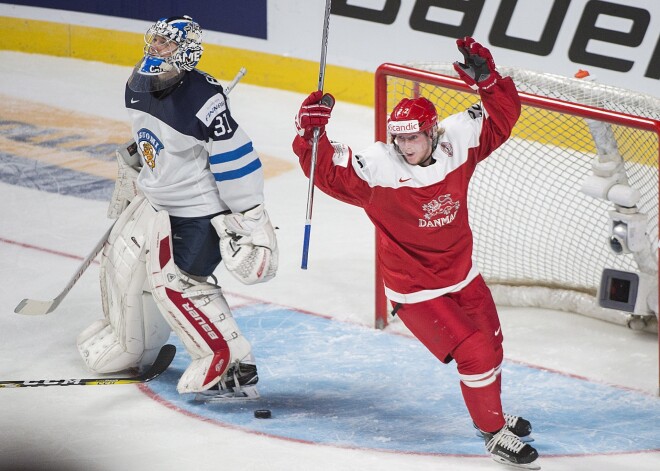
173, 46
412, 115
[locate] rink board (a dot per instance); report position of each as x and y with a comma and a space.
339, 384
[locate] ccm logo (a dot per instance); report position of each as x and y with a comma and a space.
588, 27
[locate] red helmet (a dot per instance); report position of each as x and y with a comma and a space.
412, 115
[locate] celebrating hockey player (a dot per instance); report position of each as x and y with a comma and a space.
414, 190
195, 187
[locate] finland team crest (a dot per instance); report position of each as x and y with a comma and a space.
149, 146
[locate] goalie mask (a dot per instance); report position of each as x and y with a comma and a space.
173, 46
413, 115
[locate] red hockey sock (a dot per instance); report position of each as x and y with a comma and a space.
480, 385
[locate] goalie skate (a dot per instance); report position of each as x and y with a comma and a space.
239, 384
506, 448
520, 427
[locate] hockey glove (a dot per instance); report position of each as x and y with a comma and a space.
314, 113
248, 244
478, 70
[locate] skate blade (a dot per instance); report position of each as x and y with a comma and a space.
248, 393
533, 465
527, 439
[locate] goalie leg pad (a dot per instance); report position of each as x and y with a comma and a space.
101, 349
130, 335
197, 312
156, 329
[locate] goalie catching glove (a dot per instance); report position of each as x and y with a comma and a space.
248, 244
478, 71
128, 162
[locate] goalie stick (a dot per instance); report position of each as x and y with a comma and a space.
34, 307
163, 360
239, 75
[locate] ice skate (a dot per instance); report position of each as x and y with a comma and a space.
520, 427
238, 384
506, 448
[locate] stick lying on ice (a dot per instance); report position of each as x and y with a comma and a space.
163, 360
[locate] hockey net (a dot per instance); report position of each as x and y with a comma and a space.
540, 240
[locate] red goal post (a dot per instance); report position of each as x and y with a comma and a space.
541, 230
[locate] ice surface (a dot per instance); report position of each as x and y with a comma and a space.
52, 216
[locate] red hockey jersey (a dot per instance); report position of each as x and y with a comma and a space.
424, 238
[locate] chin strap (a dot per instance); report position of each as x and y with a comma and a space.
427, 161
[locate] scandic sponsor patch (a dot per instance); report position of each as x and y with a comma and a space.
403, 127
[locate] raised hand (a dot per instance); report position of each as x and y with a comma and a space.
314, 112
478, 68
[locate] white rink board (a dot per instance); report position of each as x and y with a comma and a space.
363, 44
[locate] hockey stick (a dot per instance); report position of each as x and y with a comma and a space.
237, 78
163, 360
34, 307
315, 142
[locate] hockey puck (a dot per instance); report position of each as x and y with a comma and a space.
262, 414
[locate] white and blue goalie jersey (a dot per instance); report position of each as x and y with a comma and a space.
196, 159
